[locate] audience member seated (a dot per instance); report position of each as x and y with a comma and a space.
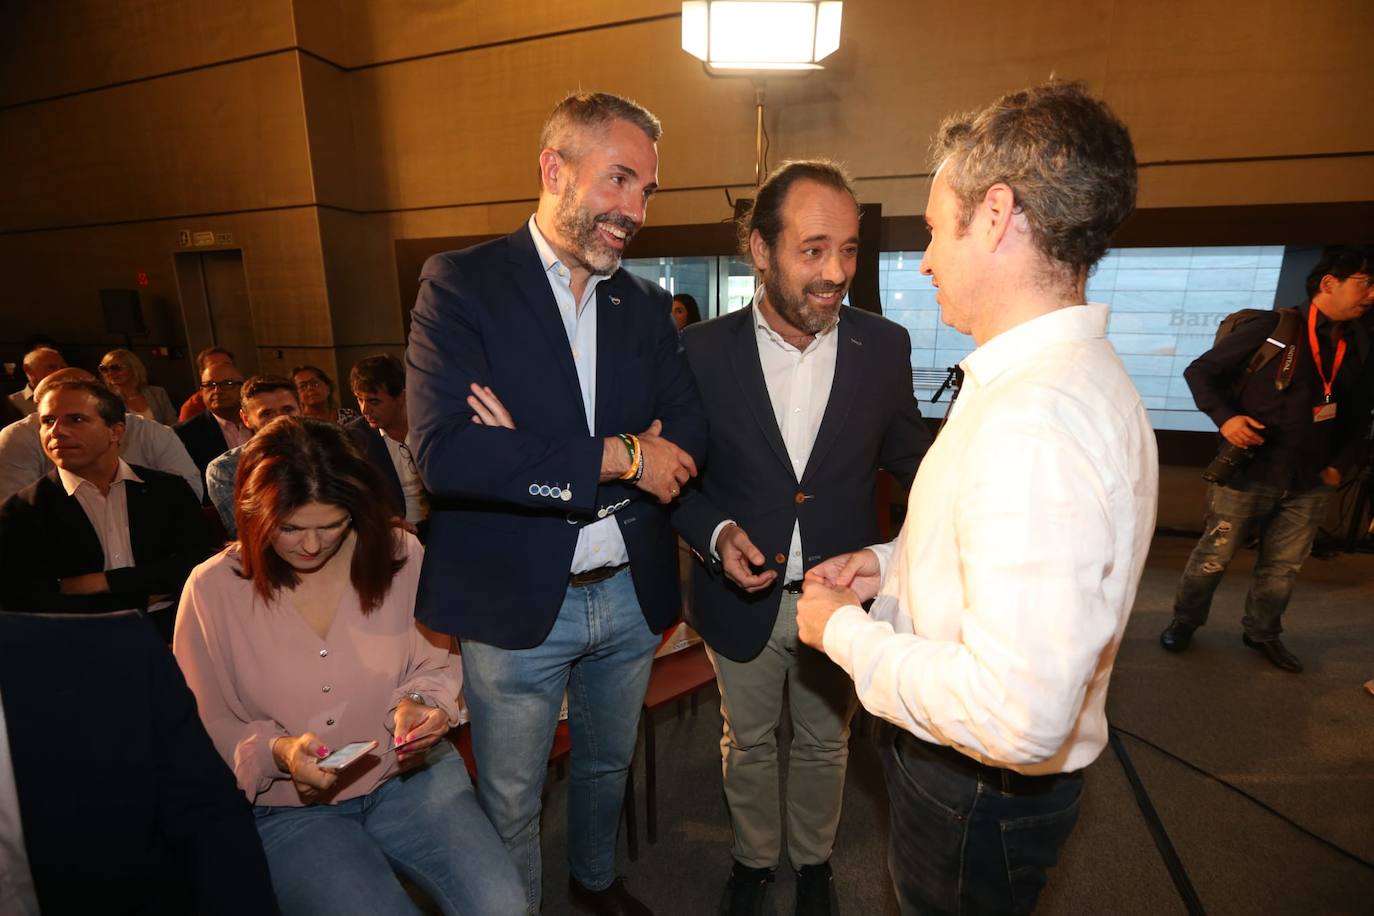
39, 363
264, 398
685, 311
379, 384
134, 813
145, 443
195, 404
126, 376
97, 534
301, 639
316, 389
220, 428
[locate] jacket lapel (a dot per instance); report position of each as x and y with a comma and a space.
612, 301
753, 389
848, 369
73, 528
533, 286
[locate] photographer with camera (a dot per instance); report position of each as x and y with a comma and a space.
1292, 431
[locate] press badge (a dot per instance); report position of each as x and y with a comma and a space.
1324, 412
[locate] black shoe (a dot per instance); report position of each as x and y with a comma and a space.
613, 901
1177, 635
1275, 652
816, 891
745, 890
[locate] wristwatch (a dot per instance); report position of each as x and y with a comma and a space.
418, 698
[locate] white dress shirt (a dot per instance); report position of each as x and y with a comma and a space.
417, 506
23, 399
1006, 594
600, 543
798, 383
145, 443
17, 896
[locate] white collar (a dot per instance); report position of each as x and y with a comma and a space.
1074, 322
72, 482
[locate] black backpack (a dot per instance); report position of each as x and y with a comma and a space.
1284, 339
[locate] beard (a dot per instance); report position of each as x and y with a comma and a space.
578, 227
791, 303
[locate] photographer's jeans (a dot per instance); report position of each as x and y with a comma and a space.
1286, 523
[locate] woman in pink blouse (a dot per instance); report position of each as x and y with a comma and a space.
301, 638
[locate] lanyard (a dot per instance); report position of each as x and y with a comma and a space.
1317, 353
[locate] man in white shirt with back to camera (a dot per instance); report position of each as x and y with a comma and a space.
1000, 607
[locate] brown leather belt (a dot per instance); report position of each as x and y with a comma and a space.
593, 576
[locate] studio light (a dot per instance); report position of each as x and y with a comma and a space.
761, 34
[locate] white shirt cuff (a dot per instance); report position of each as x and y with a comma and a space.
884, 554
838, 637
715, 536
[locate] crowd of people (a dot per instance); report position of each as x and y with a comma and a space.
501, 516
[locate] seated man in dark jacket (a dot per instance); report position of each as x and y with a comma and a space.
97, 534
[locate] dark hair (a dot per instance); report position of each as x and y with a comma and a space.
380, 372
208, 352
291, 462
1068, 160
689, 302
261, 384
583, 111
108, 405
318, 373
1340, 261
765, 215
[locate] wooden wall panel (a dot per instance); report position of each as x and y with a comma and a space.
209, 141
327, 96
361, 277
47, 48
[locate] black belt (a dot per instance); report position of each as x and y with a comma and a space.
593, 576
1008, 781
793, 588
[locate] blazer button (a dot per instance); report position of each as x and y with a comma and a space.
779, 558
799, 498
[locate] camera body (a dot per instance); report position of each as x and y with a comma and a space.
1229, 460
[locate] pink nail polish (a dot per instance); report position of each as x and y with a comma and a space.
322, 752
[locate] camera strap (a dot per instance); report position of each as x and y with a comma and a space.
1283, 339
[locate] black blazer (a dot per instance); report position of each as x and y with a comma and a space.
508, 504
871, 421
45, 536
370, 443
204, 441
139, 815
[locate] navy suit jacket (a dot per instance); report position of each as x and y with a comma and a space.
501, 538
871, 421
204, 442
141, 815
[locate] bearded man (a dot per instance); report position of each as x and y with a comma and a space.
808, 399
552, 420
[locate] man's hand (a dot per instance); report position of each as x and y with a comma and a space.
487, 409
736, 554
859, 571
86, 584
666, 467
417, 726
819, 602
298, 755
1240, 431
1331, 477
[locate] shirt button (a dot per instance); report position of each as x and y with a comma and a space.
325, 688
780, 558
328, 721
324, 653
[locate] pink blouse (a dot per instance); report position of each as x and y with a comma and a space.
260, 672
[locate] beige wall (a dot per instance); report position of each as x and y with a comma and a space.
321, 131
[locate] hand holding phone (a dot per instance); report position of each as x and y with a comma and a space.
346, 756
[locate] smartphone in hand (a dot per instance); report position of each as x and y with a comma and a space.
346, 756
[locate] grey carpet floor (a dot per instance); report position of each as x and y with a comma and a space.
1213, 718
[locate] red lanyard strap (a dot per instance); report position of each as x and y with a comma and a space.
1315, 343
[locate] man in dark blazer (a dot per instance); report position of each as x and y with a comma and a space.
807, 401
212, 433
97, 534
137, 813
379, 384
552, 417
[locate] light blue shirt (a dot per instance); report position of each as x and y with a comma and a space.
600, 543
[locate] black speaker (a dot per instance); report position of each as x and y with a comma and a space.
123, 311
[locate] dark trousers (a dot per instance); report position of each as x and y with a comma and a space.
967, 838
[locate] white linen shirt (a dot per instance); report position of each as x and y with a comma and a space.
600, 543
1005, 597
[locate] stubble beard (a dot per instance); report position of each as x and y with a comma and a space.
579, 229
794, 309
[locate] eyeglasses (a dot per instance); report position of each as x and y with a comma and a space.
112, 367
310, 383
226, 383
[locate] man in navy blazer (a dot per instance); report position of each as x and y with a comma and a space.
807, 401
552, 417
138, 816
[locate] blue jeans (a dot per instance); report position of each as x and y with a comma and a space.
1286, 523
425, 824
968, 839
600, 650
